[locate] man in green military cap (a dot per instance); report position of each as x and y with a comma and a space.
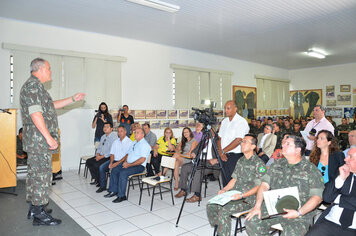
245, 178
293, 170
40, 138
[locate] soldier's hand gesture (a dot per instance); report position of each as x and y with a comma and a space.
52, 143
254, 211
344, 171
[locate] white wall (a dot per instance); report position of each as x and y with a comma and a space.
146, 76
320, 77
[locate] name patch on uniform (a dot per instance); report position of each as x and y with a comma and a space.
262, 169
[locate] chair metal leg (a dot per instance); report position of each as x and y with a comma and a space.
80, 164
171, 192
139, 202
236, 226
160, 191
148, 189
153, 195
128, 188
216, 229
240, 224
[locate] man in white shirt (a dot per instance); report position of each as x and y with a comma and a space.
232, 130
314, 126
340, 217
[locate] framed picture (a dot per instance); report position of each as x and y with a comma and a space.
245, 99
150, 114
220, 113
334, 112
183, 114
140, 114
331, 103
156, 124
344, 99
330, 91
349, 112
345, 88
302, 102
161, 114
164, 124
172, 114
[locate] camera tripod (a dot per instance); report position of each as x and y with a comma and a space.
200, 160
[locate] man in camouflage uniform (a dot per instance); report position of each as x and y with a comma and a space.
277, 131
40, 138
293, 170
245, 179
343, 132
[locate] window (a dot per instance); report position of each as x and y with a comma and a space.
272, 93
191, 85
72, 72
11, 79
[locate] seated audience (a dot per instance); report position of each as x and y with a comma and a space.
293, 170
133, 129
209, 167
259, 127
343, 131
21, 156
133, 163
246, 179
101, 117
119, 149
352, 140
277, 131
296, 130
183, 151
125, 119
253, 126
326, 156
151, 138
198, 133
277, 154
340, 217
303, 123
102, 153
166, 143
287, 126
266, 143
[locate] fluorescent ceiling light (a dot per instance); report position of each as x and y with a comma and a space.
316, 53
163, 6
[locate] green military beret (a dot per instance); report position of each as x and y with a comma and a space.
287, 202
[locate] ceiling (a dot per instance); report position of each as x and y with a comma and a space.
263, 31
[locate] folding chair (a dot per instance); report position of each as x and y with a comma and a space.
83, 160
167, 162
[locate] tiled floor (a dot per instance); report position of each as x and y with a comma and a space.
99, 216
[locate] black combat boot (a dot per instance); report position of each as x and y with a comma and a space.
41, 217
31, 211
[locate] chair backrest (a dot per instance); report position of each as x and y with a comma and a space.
96, 145
168, 162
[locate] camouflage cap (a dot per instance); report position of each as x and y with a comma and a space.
287, 202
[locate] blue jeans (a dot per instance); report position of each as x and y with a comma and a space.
122, 176
114, 177
102, 173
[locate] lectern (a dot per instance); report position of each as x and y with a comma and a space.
8, 133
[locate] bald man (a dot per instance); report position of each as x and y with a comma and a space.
232, 130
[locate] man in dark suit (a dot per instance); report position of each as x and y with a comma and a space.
340, 217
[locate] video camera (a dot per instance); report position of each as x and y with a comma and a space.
206, 116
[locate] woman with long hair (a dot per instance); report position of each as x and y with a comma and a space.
326, 155
166, 143
100, 118
182, 155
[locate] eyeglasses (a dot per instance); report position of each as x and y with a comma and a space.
323, 170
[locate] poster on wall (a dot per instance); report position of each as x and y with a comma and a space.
140, 114
172, 114
354, 97
334, 112
183, 114
331, 103
330, 91
150, 114
161, 114
344, 99
245, 99
345, 88
349, 112
302, 102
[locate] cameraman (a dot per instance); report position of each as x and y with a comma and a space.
125, 119
232, 130
100, 118
314, 126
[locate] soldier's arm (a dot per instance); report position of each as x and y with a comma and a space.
38, 121
310, 205
256, 210
66, 101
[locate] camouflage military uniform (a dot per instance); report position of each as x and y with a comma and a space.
279, 139
343, 137
247, 174
34, 98
19, 151
281, 174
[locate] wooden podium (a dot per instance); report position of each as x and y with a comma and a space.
8, 133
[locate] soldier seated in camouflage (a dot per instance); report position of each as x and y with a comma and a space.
21, 156
343, 131
245, 178
293, 170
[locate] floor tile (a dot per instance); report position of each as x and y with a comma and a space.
94, 232
84, 223
115, 228
81, 201
73, 213
72, 195
145, 220
129, 211
169, 213
91, 209
164, 229
103, 218
190, 222
138, 233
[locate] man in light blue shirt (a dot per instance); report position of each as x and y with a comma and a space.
133, 163
102, 153
119, 149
